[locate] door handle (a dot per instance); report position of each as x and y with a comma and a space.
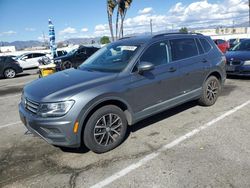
204, 61
172, 69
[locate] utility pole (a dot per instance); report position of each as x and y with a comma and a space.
249, 12
151, 26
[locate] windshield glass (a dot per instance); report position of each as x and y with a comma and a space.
72, 51
111, 58
242, 46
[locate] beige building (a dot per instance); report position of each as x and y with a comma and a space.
4, 49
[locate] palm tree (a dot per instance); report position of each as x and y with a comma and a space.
111, 4
122, 8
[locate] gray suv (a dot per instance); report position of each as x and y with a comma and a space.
121, 84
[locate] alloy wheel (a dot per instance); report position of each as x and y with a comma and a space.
212, 90
9, 73
107, 129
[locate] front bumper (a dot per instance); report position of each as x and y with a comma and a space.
242, 70
55, 131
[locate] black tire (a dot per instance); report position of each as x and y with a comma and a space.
66, 65
9, 73
101, 125
210, 91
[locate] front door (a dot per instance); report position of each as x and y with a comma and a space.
154, 87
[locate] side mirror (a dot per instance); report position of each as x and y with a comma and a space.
145, 66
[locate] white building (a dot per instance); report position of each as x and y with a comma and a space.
5, 49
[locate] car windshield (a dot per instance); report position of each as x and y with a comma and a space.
242, 46
72, 51
111, 58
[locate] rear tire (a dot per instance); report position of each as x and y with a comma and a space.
210, 91
9, 73
105, 129
66, 65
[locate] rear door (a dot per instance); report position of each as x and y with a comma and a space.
192, 63
2, 63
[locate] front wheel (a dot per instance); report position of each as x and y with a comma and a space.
105, 129
9, 73
210, 91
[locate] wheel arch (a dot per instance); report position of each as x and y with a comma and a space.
216, 74
104, 102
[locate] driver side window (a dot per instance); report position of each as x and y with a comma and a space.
157, 54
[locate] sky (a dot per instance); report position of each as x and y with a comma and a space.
28, 19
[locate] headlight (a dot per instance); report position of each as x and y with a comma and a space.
57, 61
247, 62
55, 109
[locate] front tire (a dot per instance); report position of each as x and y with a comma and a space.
105, 129
210, 91
9, 73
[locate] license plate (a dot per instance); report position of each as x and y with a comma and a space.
230, 68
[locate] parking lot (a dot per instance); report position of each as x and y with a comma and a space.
188, 146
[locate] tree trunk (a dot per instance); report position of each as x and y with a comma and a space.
117, 24
111, 27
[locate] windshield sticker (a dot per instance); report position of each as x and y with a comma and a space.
129, 48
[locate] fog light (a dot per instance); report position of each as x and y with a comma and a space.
76, 126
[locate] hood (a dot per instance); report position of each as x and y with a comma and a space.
238, 55
62, 85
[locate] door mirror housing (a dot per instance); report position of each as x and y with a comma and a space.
145, 67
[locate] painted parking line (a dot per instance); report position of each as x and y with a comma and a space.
10, 96
170, 145
10, 124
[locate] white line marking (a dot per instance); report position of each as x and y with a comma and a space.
10, 124
1, 98
153, 155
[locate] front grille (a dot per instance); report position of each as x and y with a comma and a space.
235, 63
31, 106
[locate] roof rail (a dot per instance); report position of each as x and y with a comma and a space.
124, 38
165, 34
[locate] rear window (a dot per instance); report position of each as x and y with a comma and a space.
205, 44
183, 48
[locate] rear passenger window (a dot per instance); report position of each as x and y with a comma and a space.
156, 54
200, 49
206, 46
183, 48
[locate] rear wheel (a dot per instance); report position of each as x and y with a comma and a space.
66, 65
9, 73
105, 129
210, 91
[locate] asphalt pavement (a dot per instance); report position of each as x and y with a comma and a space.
188, 146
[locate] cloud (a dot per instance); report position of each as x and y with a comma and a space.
201, 13
8, 33
84, 29
30, 29
147, 10
68, 30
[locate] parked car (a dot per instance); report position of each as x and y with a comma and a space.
59, 54
234, 42
222, 45
9, 67
74, 58
121, 84
29, 60
238, 59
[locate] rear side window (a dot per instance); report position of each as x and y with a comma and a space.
200, 49
38, 55
183, 48
205, 44
156, 54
